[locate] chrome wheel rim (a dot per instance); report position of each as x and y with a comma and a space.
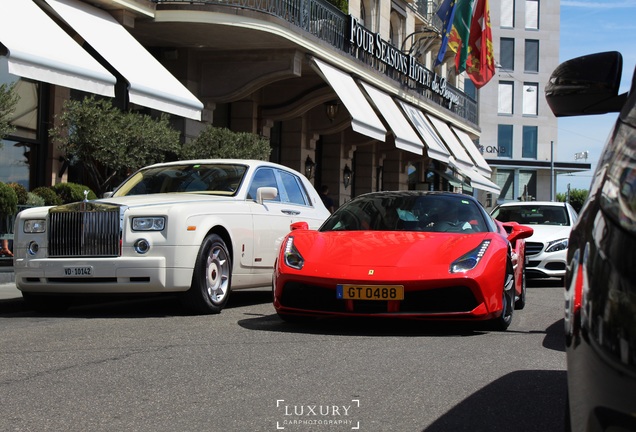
217, 274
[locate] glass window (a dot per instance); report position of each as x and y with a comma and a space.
505, 181
14, 162
532, 14
293, 189
529, 145
507, 13
264, 177
504, 140
470, 89
506, 95
531, 63
507, 54
530, 98
527, 185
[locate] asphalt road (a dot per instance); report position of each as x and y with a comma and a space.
146, 365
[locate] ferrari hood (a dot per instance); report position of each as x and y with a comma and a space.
385, 248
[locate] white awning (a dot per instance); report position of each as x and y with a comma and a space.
435, 145
40, 50
149, 83
455, 147
405, 137
482, 166
363, 119
460, 159
477, 180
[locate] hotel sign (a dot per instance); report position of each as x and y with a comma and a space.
367, 42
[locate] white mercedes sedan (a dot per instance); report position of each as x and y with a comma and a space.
200, 228
547, 248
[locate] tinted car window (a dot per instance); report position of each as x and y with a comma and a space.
293, 189
408, 212
533, 215
221, 179
264, 177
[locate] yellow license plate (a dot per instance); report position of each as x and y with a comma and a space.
370, 292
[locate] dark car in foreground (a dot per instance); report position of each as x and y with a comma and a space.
600, 288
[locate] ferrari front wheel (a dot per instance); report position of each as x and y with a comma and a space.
503, 321
212, 277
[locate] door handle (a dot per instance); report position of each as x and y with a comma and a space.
291, 212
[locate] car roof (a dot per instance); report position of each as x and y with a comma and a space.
415, 192
532, 203
219, 161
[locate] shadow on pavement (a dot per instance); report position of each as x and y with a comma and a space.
129, 306
521, 401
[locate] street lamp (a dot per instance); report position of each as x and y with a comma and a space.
310, 165
346, 176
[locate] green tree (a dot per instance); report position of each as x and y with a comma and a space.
8, 102
577, 198
108, 143
222, 143
72, 192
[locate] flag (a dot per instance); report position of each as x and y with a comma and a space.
459, 35
446, 12
480, 65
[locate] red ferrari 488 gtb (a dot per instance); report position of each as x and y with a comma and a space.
404, 254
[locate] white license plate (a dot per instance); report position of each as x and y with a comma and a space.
84, 271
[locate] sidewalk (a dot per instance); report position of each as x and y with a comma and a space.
8, 291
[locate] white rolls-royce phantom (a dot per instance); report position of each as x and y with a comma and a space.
200, 228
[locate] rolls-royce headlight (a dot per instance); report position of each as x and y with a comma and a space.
469, 260
155, 223
33, 226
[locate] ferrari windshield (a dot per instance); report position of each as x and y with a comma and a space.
403, 211
215, 179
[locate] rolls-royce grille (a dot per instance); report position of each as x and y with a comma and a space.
90, 232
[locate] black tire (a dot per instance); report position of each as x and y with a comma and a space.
212, 278
520, 302
502, 322
47, 303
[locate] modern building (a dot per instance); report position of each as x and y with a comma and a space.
519, 133
351, 98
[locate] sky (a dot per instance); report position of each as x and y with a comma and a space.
587, 27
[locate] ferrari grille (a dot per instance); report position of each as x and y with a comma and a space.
441, 300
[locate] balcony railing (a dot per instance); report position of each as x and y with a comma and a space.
331, 25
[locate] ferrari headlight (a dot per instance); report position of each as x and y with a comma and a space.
33, 226
293, 258
156, 223
557, 245
470, 260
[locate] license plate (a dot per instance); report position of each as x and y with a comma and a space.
78, 271
370, 292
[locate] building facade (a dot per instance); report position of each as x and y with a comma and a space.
349, 97
519, 133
